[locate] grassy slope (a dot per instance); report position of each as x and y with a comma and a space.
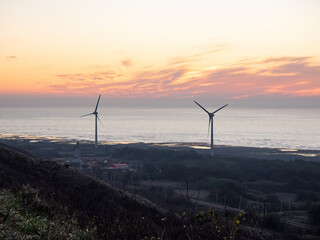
25, 216
90, 199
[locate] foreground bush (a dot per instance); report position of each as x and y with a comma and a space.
24, 216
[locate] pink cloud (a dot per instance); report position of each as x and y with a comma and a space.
126, 63
283, 76
240, 97
11, 57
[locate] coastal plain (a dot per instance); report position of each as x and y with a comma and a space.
45, 144
284, 183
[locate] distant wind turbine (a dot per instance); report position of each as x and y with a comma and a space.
96, 118
211, 115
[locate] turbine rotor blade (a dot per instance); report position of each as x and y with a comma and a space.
202, 107
86, 114
220, 108
99, 120
97, 103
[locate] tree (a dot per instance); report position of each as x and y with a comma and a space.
314, 214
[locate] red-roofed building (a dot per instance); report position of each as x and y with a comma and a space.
118, 166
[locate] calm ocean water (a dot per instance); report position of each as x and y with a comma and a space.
281, 128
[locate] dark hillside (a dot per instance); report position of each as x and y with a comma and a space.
118, 213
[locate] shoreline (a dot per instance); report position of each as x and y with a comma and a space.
286, 154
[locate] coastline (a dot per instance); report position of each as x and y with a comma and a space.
285, 154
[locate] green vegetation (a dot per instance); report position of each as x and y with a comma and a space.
25, 216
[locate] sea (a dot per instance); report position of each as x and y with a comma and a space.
272, 128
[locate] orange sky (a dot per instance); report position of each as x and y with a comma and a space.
154, 49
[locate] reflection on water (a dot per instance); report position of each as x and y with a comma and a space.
200, 147
288, 150
306, 154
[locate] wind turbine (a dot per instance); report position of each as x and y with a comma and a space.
96, 118
211, 115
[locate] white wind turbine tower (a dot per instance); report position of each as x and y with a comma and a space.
211, 115
96, 118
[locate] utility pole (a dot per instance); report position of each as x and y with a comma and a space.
240, 202
289, 205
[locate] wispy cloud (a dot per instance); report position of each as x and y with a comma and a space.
11, 57
189, 58
292, 76
241, 97
126, 63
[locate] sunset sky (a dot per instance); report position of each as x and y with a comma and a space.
179, 49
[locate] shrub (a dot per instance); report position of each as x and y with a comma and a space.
22, 216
